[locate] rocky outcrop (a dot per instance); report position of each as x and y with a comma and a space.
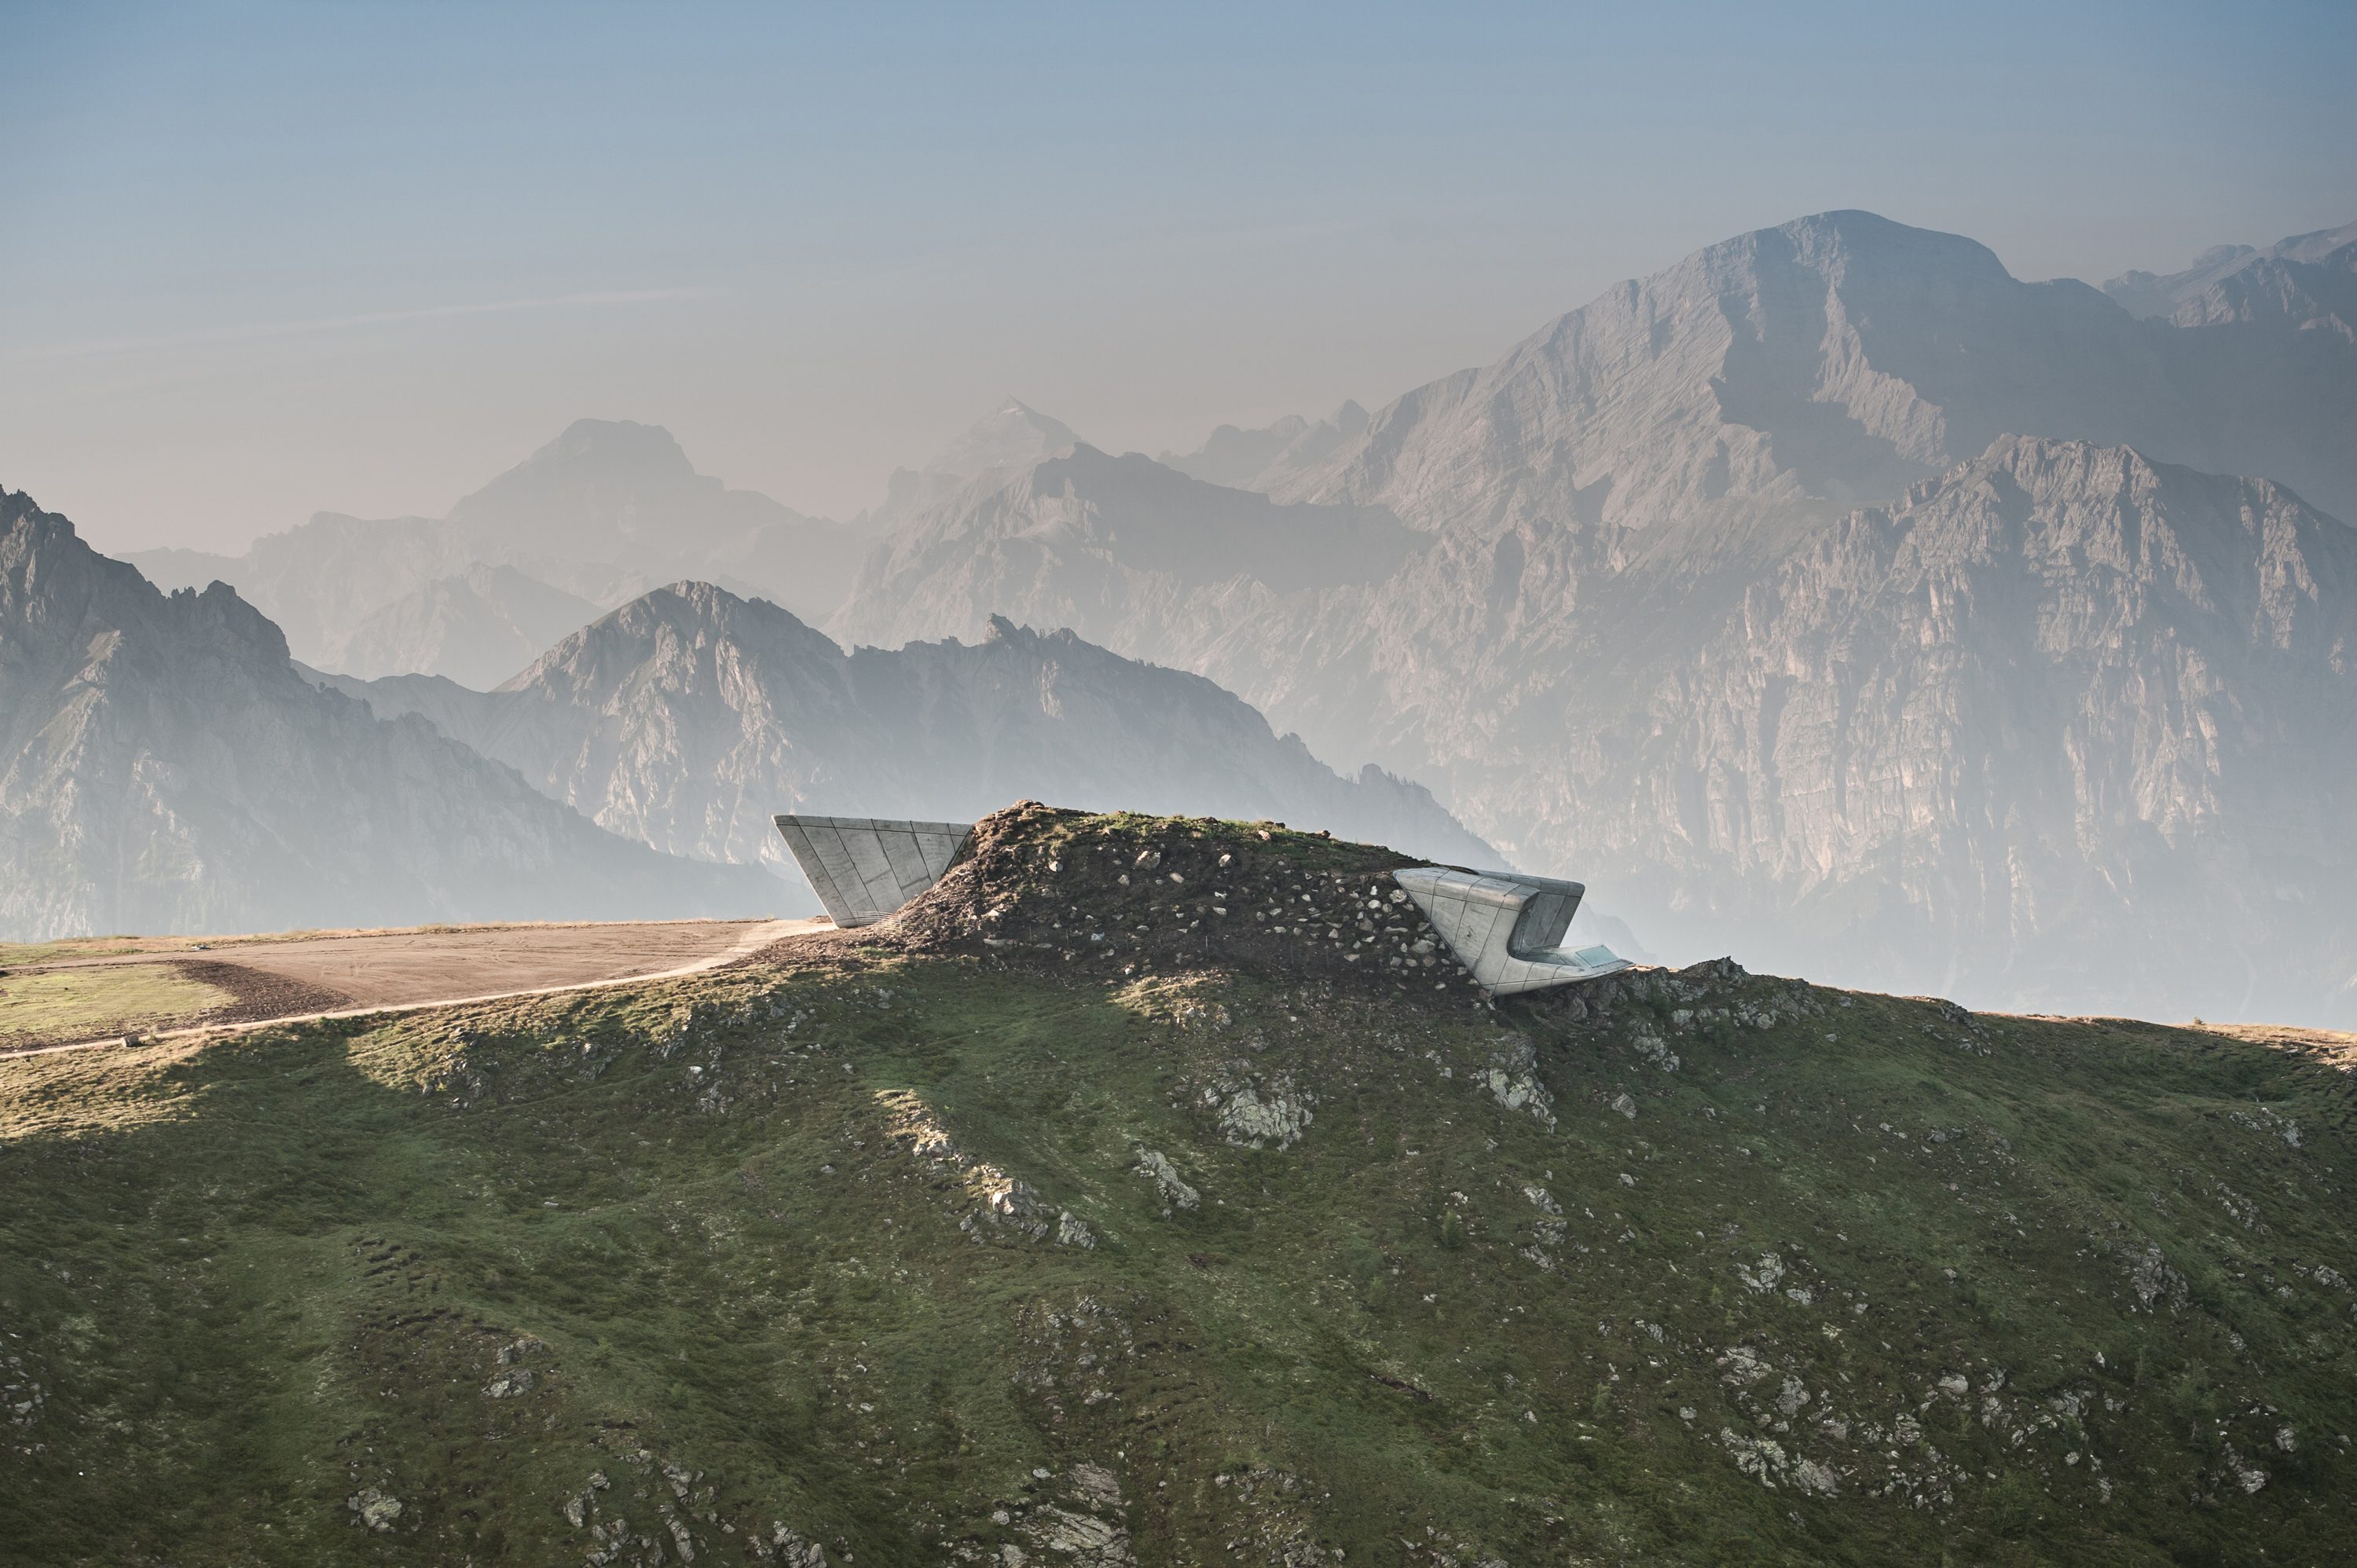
163, 768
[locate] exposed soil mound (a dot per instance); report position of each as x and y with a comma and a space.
1125, 895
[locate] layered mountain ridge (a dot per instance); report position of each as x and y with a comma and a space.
604, 512
1829, 363
1617, 596
689, 717
1716, 491
163, 768
2300, 273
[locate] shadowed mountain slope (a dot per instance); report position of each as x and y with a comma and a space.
163, 768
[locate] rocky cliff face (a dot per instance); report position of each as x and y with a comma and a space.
2056, 730
1830, 362
689, 717
2064, 726
164, 768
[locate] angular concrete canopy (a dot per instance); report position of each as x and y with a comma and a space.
864, 869
1507, 927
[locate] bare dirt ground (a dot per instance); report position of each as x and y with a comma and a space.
328, 975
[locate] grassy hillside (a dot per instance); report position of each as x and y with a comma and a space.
81, 1004
942, 1246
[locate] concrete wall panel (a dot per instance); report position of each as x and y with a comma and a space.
864, 869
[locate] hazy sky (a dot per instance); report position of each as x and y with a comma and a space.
259, 260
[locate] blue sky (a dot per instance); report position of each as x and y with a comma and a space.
263, 260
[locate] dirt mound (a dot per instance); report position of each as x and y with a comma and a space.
1123, 895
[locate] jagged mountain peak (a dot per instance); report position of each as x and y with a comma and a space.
687, 717
165, 767
611, 463
2166, 295
1825, 240
1828, 363
686, 623
53, 584
1014, 436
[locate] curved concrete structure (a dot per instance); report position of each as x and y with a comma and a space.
1507, 927
863, 869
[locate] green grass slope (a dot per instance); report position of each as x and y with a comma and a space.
1014, 1237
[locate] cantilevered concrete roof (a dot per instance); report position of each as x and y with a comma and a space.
865, 868
1507, 927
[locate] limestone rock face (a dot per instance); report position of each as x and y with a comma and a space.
164, 768
689, 719
2065, 727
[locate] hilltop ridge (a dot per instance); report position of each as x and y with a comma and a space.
925, 1244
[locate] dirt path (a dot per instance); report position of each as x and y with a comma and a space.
411, 971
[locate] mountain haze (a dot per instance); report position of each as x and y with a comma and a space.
1249, 459
163, 768
994, 447
1102, 543
2206, 291
601, 514
689, 717
1834, 596
1830, 362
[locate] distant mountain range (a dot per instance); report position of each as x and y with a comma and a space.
689, 717
601, 514
1254, 460
166, 765
2306, 279
1006, 443
164, 768
1831, 596
1624, 612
